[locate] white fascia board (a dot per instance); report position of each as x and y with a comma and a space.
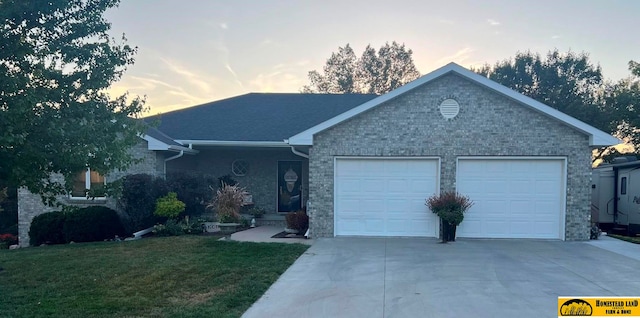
231, 143
157, 145
596, 136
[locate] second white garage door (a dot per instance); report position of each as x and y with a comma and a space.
384, 196
513, 198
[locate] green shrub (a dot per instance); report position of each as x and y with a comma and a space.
192, 189
91, 224
8, 208
169, 228
257, 212
47, 229
169, 206
190, 227
7, 239
226, 180
138, 200
298, 220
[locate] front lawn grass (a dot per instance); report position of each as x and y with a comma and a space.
631, 239
185, 276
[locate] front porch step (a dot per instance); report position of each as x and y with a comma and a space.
269, 220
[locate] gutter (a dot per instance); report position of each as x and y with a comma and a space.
228, 143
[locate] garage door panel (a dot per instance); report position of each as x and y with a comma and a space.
397, 185
350, 185
390, 196
514, 198
372, 185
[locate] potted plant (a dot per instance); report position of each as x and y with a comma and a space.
450, 206
297, 222
256, 212
227, 202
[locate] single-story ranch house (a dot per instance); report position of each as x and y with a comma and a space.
363, 165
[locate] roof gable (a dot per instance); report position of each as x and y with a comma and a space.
596, 136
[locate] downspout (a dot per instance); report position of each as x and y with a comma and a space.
298, 153
171, 158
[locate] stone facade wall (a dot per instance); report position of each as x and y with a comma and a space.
488, 124
30, 205
261, 179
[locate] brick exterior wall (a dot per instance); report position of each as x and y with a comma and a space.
260, 180
488, 124
30, 205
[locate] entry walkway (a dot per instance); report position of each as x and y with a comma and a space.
264, 234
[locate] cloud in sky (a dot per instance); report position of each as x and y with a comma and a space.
197, 80
555, 36
282, 78
458, 57
224, 26
493, 22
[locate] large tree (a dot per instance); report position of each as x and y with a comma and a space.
56, 62
622, 100
373, 73
568, 82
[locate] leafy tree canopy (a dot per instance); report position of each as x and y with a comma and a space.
56, 61
622, 101
373, 73
570, 83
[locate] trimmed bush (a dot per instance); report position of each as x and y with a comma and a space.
91, 224
138, 200
47, 229
169, 206
170, 228
193, 188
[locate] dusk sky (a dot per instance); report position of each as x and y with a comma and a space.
195, 51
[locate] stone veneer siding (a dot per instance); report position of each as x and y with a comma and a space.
260, 180
30, 205
488, 124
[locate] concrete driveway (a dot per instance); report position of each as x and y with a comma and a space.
403, 277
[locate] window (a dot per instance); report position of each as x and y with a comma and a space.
240, 167
623, 185
88, 183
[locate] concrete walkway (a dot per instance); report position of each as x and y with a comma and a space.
264, 234
618, 246
403, 277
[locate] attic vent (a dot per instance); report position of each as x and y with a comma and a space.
449, 108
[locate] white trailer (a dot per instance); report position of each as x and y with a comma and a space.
615, 196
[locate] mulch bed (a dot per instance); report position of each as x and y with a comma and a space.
288, 235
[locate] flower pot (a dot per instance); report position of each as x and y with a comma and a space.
290, 231
448, 232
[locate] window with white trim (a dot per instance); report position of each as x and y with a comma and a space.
240, 167
86, 182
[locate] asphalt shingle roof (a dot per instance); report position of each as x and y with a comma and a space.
256, 116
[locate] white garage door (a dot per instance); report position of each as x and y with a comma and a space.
384, 197
514, 198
